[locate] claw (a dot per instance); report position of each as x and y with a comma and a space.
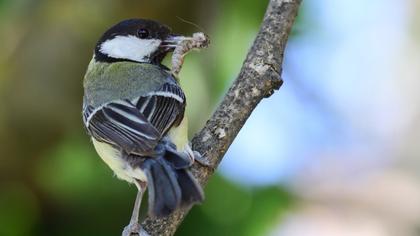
131, 229
134, 230
201, 160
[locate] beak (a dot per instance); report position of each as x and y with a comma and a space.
171, 41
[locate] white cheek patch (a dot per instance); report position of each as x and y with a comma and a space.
130, 47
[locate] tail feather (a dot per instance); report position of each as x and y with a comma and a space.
164, 191
191, 191
169, 185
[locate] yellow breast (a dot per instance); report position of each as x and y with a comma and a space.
112, 157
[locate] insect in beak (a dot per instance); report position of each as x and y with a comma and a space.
171, 42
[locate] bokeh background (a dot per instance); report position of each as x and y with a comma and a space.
335, 152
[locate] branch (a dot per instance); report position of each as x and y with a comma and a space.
258, 78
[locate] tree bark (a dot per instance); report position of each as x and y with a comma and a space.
258, 78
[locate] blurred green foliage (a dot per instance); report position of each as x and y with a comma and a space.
230, 209
51, 180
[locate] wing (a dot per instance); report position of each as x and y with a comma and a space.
121, 124
163, 108
136, 126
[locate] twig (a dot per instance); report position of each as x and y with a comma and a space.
258, 78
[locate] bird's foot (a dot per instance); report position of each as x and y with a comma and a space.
134, 229
201, 160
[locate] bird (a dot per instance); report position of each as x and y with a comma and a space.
133, 111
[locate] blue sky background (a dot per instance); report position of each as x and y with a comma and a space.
338, 96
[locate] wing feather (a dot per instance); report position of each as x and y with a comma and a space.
165, 107
120, 123
136, 126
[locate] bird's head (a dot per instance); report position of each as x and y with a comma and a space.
137, 40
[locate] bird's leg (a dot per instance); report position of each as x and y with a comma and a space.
134, 227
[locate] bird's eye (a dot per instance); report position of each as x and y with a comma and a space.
143, 33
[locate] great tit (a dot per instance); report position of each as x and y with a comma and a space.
133, 109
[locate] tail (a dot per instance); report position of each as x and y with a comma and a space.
170, 184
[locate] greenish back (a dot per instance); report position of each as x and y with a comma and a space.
105, 82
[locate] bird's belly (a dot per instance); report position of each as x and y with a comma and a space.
112, 157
